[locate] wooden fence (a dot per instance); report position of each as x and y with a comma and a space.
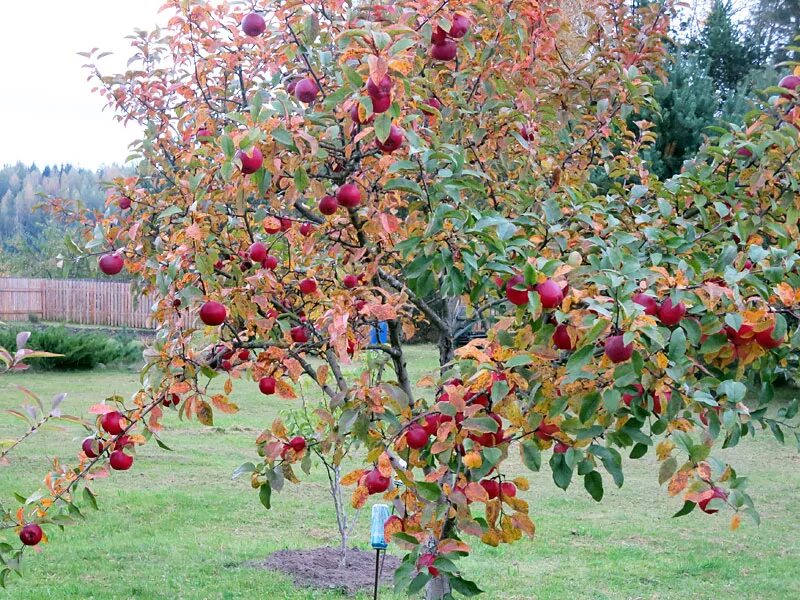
85, 302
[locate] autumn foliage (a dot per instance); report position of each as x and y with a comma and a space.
318, 168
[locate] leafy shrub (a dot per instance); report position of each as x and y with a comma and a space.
80, 349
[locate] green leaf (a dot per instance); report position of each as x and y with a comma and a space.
589, 406
593, 482
430, 491
562, 472
482, 424
667, 470
383, 126
531, 455
409, 539
419, 582
242, 469
89, 497
638, 451
264, 494
465, 587
685, 510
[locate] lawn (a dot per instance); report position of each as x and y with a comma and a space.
177, 527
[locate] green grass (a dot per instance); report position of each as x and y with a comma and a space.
177, 527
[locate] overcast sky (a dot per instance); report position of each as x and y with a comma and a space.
47, 113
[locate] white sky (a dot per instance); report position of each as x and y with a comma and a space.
47, 113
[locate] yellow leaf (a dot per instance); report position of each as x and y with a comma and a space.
664, 449
473, 460
490, 538
524, 523
521, 483
279, 429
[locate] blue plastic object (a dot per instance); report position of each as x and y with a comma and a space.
379, 334
380, 514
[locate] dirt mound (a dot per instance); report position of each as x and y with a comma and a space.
319, 568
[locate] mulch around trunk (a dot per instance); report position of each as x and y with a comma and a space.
319, 568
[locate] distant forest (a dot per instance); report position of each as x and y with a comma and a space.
721, 57
30, 240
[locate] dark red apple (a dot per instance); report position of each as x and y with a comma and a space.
328, 205
306, 90
561, 338
417, 437
545, 431
560, 448
718, 493
492, 487
203, 134
111, 264
250, 162
627, 397
120, 461
508, 489
765, 339
445, 51
616, 349
349, 195
376, 483
459, 26
31, 534
298, 443
671, 314
124, 203
257, 252
92, 447
266, 385
790, 82
381, 105
254, 25
646, 301
286, 224
514, 294
741, 336
306, 229
270, 262
308, 286
433, 102
113, 422
393, 142
213, 313
299, 334
350, 281
550, 293
431, 423
380, 89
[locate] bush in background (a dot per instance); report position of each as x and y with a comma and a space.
81, 349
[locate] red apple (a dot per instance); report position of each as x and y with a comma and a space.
308, 285
616, 350
350, 281
790, 82
459, 26
743, 336
112, 422
490, 439
433, 102
328, 205
299, 334
627, 398
393, 142
244, 354
257, 252
560, 448
508, 489
649, 303
381, 89
253, 25
381, 105
492, 487
355, 115
546, 431
266, 385
270, 262
306, 229
765, 339
445, 51
515, 295
417, 437
92, 447
124, 203
561, 338
203, 134
111, 264
298, 443
550, 293
349, 195
286, 224
431, 423
250, 162
376, 483
744, 153
306, 90
718, 493
31, 534
426, 561
120, 461
671, 314
213, 313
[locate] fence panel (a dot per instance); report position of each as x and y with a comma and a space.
80, 301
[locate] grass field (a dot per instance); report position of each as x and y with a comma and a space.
177, 527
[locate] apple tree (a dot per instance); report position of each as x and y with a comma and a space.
310, 170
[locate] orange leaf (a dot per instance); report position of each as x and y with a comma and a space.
736, 521
475, 492
359, 498
451, 545
224, 405
678, 483
473, 460
352, 477
394, 524
101, 409
284, 389
385, 465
